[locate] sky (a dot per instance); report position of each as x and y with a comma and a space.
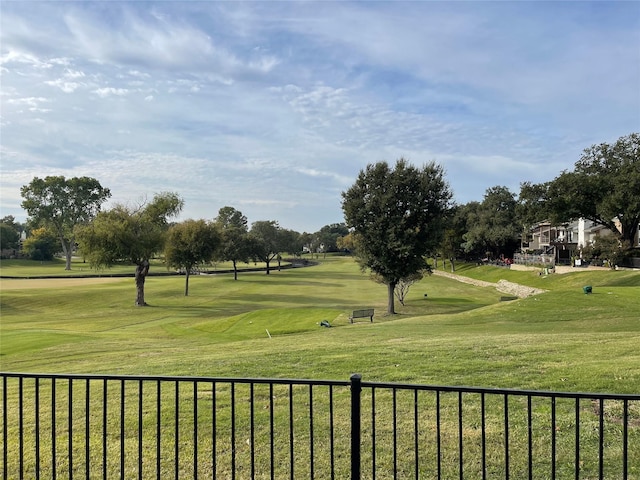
274, 108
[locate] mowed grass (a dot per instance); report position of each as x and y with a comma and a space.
268, 326
80, 268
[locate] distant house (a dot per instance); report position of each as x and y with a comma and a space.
544, 236
561, 242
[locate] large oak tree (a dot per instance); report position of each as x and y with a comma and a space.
129, 234
397, 216
60, 204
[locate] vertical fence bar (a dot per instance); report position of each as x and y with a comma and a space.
5, 427
553, 437
122, 435
373, 432
356, 427
271, 431
577, 453
214, 430
529, 438
233, 430
625, 438
158, 428
291, 454
506, 437
140, 393
21, 425
195, 429
87, 429
311, 466
484, 435
395, 432
176, 437
53, 429
37, 418
460, 438
70, 423
416, 433
601, 441
438, 436
331, 433
104, 429
252, 426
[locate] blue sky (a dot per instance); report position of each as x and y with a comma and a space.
274, 107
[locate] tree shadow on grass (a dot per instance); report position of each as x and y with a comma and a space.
441, 306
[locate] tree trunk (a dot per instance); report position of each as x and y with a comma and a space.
453, 266
141, 275
235, 270
66, 249
186, 284
267, 267
391, 309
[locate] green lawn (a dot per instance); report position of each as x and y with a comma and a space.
79, 268
457, 334
268, 326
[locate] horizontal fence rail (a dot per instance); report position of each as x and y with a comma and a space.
143, 427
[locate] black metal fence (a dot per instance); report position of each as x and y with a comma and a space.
105, 426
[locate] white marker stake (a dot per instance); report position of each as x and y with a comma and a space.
268, 333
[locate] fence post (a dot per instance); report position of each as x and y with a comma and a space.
356, 389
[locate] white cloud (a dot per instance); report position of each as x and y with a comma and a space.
108, 91
28, 101
65, 86
303, 95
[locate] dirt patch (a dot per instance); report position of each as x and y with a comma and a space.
28, 283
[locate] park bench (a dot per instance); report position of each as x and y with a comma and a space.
368, 312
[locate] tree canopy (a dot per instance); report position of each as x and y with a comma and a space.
329, 234
9, 236
266, 241
397, 216
492, 225
129, 234
190, 243
234, 244
61, 204
41, 245
603, 187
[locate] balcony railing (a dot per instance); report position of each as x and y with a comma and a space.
106, 426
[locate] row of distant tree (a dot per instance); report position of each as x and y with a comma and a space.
65, 215
395, 216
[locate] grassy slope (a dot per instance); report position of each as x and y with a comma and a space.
459, 334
